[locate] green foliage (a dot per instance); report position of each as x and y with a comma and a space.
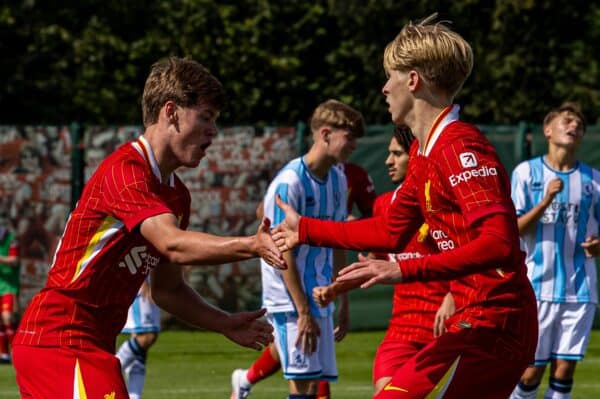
87, 60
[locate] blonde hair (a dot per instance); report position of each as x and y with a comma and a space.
442, 57
184, 81
336, 114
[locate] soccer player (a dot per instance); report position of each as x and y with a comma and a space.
143, 323
9, 288
304, 332
361, 191
557, 200
130, 223
457, 185
419, 309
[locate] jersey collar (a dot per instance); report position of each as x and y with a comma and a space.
447, 116
143, 147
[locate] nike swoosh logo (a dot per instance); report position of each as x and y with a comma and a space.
390, 387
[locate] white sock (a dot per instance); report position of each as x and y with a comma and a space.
136, 376
520, 393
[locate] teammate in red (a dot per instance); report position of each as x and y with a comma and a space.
457, 185
130, 222
361, 190
419, 309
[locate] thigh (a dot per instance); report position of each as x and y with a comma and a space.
143, 316
574, 329
547, 332
295, 364
391, 355
326, 349
8, 302
446, 368
61, 372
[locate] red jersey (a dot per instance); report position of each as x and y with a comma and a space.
102, 258
415, 304
457, 182
361, 190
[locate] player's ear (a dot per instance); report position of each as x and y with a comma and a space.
324, 133
414, 80
171, 111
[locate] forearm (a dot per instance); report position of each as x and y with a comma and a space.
191, 247
291, 278
529, 219
9, 260
371, 234
492, 249
187, 305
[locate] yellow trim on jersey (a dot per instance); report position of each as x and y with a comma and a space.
81, 265
79, 388
442, 384
390, 387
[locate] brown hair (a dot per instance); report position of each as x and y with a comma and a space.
338, 115
442, 57
568, 106
404, 136
182, 80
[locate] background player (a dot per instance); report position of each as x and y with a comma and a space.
304, 333
361, 192
557, 200
143, 323
419, 309
9, 288
458, 186
130, 222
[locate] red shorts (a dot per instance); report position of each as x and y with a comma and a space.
468, 363
52, 372
8, 302
391, 355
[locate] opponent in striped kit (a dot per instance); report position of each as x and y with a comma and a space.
143, 323
361, 192
457, 185
130, 223
304, 334
557, 200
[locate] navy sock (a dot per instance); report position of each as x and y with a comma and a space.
562, 386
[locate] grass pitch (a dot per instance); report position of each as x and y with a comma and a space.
195, 365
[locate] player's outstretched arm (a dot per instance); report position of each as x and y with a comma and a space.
196, 248
171, 293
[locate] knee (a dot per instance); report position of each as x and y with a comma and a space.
564, 370
532, 376
146, 340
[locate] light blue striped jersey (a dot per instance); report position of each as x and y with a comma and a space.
556, 263
309, 196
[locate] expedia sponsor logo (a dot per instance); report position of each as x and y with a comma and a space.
467, 175
468, 160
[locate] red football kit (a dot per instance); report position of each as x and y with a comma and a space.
414, 305
97, 270
361, 190
457, 186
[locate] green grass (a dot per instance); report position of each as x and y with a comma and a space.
198, 365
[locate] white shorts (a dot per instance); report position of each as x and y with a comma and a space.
564, 330
143, 316
294, 363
